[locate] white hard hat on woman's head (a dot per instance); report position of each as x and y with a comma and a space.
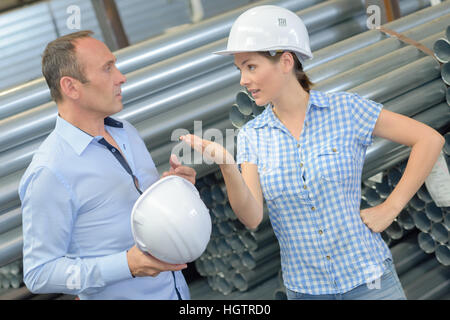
269, 28
171, 222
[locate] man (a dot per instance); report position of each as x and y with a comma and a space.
79, 190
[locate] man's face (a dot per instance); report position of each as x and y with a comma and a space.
102, 93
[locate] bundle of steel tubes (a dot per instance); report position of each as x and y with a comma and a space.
421, 276
421, 229
441, 49
11, 276
174, 79
421, 214
236, 257
400, 76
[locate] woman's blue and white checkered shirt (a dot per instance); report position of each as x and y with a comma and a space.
312, 187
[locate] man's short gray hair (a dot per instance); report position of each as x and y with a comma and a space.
59, 60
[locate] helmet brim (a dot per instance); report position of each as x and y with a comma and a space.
301, 55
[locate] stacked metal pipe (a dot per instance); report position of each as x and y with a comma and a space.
434, 232
226, 254
401, 77
421, 276
339, 75
34, 93
421, 213
171, 92
410, 239
11, 276
433, 221
280, 292
441, 49
236, 257
173, 81
167, 77
420, 230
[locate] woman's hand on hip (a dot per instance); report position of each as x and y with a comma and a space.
378, 218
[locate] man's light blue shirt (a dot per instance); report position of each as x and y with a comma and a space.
76, 207
312, 187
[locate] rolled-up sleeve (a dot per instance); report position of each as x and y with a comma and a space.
245, 149
47, 230
365, 113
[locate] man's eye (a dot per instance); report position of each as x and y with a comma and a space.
251, 67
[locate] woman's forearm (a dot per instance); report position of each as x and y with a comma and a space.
243, 203
422, 158
247, 206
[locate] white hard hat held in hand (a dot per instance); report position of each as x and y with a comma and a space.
171, 222
269, 28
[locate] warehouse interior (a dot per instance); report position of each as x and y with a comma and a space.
173, 81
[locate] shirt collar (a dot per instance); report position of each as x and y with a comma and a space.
77, 138
316, 98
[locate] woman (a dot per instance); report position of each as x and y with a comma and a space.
304, 154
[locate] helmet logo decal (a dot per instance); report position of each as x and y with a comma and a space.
282, 22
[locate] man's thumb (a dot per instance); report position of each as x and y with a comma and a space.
174, 162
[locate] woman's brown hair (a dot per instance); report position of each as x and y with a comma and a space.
298, 68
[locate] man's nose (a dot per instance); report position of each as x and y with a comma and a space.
122, 77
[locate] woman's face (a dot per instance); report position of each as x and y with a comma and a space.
262, 77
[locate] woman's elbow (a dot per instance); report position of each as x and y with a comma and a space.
430, 139
441, 140
255, 222
436, 139
252, 226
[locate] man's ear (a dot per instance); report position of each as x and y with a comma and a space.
69, 87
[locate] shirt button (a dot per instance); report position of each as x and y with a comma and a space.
328, 257
113, 150
298, 145
313, 208
320, 232
334, 150
301, 164
305, 187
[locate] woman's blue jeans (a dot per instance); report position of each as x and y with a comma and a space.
388, 287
